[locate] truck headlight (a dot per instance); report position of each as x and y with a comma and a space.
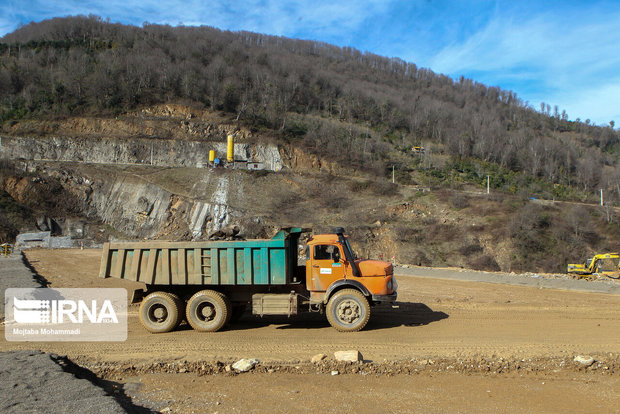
389, 285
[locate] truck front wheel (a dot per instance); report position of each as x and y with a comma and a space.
207, 311
348, 310
161, 312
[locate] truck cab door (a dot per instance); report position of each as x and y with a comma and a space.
325, 267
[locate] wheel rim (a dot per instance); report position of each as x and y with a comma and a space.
348, 311
158, 313
206, 312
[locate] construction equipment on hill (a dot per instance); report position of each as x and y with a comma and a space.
418, 150
6, 249
607, 264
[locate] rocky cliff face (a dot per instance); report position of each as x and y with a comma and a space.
133, 208
128, 203
140, 151
109, 170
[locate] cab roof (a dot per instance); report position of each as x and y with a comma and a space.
323, 238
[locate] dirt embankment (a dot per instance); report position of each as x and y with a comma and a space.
143, 175
178, 122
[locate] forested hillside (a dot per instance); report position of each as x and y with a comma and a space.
343, 120
356, 108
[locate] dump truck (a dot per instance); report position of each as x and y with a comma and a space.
607, 264
208, 283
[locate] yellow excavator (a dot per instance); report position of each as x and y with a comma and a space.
607, 264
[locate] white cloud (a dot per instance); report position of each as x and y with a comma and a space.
542, 42
499, 45
323, 17
569, 59
320, 17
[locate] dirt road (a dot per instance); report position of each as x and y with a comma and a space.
436, 318
440, 323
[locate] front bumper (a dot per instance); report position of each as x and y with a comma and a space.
384, 298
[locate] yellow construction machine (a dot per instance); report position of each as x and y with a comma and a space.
607, 264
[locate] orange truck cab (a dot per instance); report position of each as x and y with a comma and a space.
346, 284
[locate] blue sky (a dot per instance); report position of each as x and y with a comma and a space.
565, 53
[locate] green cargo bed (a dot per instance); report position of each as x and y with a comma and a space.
247, 262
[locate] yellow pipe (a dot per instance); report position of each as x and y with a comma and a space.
230, 154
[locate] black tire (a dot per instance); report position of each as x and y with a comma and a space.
207, 311
228, 307
161, 312
348, 310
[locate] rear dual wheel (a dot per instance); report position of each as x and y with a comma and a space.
161, 312
208, 311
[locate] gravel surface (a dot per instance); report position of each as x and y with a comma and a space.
540, 280
35, 382
14, 273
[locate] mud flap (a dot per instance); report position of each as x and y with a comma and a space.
137, 296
